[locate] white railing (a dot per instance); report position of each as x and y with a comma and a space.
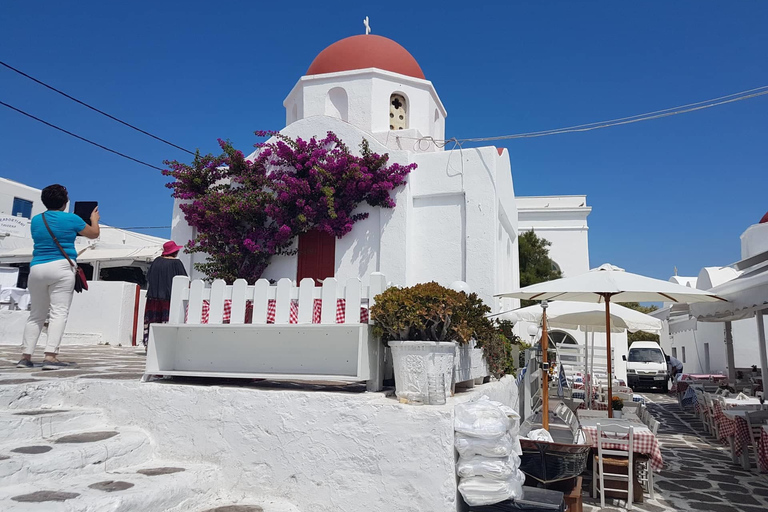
283, 303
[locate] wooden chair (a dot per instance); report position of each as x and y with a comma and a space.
621, 456
633, 407
709, 420
643, 465
755, 421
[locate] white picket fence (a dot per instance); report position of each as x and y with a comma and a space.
281, 341
287, 300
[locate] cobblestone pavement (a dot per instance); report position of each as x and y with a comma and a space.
698, 474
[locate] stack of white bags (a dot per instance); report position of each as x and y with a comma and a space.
489, 452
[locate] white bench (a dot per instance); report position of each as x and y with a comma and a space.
325, 351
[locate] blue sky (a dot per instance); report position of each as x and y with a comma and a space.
671, 192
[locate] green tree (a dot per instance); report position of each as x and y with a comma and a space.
640, 335
535, 264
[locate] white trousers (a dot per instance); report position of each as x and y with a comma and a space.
51, 286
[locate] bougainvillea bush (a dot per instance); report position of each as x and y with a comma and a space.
246, 211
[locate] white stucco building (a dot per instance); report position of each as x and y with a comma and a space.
457, 217
730, 336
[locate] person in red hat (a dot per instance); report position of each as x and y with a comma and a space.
159, 281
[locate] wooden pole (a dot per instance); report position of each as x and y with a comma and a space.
608, 354
544, 370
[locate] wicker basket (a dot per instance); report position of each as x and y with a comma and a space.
551, 462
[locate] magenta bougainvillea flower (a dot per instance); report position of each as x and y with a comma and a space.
247, 211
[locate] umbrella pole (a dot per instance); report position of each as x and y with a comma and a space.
544, 370
608, 350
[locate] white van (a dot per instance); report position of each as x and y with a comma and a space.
647, 366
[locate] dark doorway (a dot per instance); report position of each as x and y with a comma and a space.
317, 256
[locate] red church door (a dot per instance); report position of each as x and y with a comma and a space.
317, 256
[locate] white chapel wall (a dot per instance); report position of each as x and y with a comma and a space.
368, 94
561, 220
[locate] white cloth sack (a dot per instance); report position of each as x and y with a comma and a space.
540, 435
478, 490
513, 415
481, 419
502, 446
494, 468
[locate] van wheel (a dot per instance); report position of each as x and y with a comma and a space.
665, 387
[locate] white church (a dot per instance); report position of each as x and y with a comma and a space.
457, 218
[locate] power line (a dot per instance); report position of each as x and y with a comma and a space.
94, 108
146, 227
682, 109
105, 148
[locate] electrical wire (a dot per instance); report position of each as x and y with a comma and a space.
94, 108
682, 109
145, 227
105, 148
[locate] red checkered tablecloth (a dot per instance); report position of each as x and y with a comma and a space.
643, 441
317, 306
741, 435
597, 406
762, 452
725, 425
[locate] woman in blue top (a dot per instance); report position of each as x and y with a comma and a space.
51, 278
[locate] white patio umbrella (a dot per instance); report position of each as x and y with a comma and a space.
571, 315
605, 283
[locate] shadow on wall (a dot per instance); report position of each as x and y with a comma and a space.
363, 253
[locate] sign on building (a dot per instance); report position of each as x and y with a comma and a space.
16, 226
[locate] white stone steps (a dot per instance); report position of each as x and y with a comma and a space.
28, 424
131, 446
187, 490
193, 490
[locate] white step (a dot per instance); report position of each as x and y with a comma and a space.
192, 490
131, 446
171, 492
29, 424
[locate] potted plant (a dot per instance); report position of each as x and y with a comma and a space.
617, 404
416, 323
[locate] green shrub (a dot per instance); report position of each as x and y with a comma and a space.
430, 312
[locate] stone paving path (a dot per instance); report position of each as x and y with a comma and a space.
698, 474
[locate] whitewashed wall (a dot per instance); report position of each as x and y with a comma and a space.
322, 451
361, 98
713, 333
754, 240
561, 220
106, 309
103, 314
10, 189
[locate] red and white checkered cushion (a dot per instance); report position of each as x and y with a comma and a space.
294, 314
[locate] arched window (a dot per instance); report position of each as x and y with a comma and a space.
563, 338
337, 104
559, 337
398, 112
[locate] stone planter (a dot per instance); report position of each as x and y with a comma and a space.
414, 363
616, 414
470, 366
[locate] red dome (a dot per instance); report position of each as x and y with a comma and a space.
764, 219
365, 51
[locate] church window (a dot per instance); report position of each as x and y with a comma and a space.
398, 112
337, 104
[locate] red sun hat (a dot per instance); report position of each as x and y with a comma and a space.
170, 247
